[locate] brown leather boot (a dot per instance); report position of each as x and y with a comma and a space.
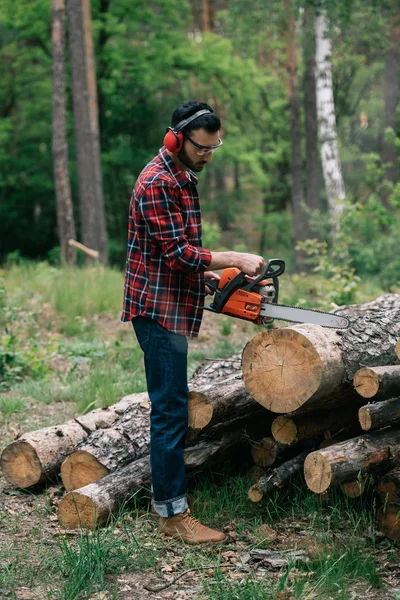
190, 530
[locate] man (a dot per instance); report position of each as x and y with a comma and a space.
165, 286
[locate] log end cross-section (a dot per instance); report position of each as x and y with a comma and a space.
21, 465
78, 510
200, 411
317, 472
80, 469
281, 369
366, 382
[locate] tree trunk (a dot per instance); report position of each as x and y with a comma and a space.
327, 123
278, 478
382, 414
37, 456
391, 89
290, 429
377, 382
343, 462
217, 402
107, 450
299, 215
84, 95
313, 194
65, 214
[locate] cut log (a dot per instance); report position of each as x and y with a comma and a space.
398, 348
37, 456
265, 451
219, 401
106, 450
380, 382
345, 461
283, 369
381, 414
289, 429
92, 505
278, 478
389, 486
388, 520
307, 367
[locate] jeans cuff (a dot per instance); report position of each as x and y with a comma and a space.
169, 508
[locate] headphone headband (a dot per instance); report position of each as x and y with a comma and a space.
185, 122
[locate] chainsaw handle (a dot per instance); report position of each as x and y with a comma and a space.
280, 264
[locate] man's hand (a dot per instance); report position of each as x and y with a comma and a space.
251, 264
207, 276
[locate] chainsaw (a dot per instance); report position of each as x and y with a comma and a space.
256, 299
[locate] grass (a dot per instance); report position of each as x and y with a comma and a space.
55, 316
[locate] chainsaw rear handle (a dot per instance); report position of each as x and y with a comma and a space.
267, 272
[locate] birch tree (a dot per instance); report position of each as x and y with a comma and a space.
65, 215
331, 166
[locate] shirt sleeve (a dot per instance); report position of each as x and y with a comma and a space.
160, 210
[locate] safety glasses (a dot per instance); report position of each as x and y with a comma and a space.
201, 150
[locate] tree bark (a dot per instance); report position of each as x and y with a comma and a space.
391, 88
343, 462
299, 216
278, 478
377, 382
106, 450
331, 166
36, 456
65, 214
382, 414
290, 429
84, 95
313, 193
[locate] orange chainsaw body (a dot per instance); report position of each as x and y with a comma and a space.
241, 304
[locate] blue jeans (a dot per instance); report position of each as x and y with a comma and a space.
165, 361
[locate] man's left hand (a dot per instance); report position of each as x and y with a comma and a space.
207, 276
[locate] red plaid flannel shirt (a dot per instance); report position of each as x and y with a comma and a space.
164, 277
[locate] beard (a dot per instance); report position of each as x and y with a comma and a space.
187, 161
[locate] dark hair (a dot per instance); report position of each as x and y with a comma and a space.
210, 122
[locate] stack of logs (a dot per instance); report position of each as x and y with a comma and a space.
295, 400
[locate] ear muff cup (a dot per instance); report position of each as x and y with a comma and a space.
173, 141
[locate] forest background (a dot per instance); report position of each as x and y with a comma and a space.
254, 63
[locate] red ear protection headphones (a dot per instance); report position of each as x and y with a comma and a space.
173, 140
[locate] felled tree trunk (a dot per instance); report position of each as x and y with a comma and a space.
37, 456
343, 462
377, 382
108, 449
381, 414
219, 401
278, 478
309, 367
265, 451
353, 489
289, 429
92, 505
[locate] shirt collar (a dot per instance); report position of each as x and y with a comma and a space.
182, 178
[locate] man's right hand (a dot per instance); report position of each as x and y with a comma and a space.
251, 264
